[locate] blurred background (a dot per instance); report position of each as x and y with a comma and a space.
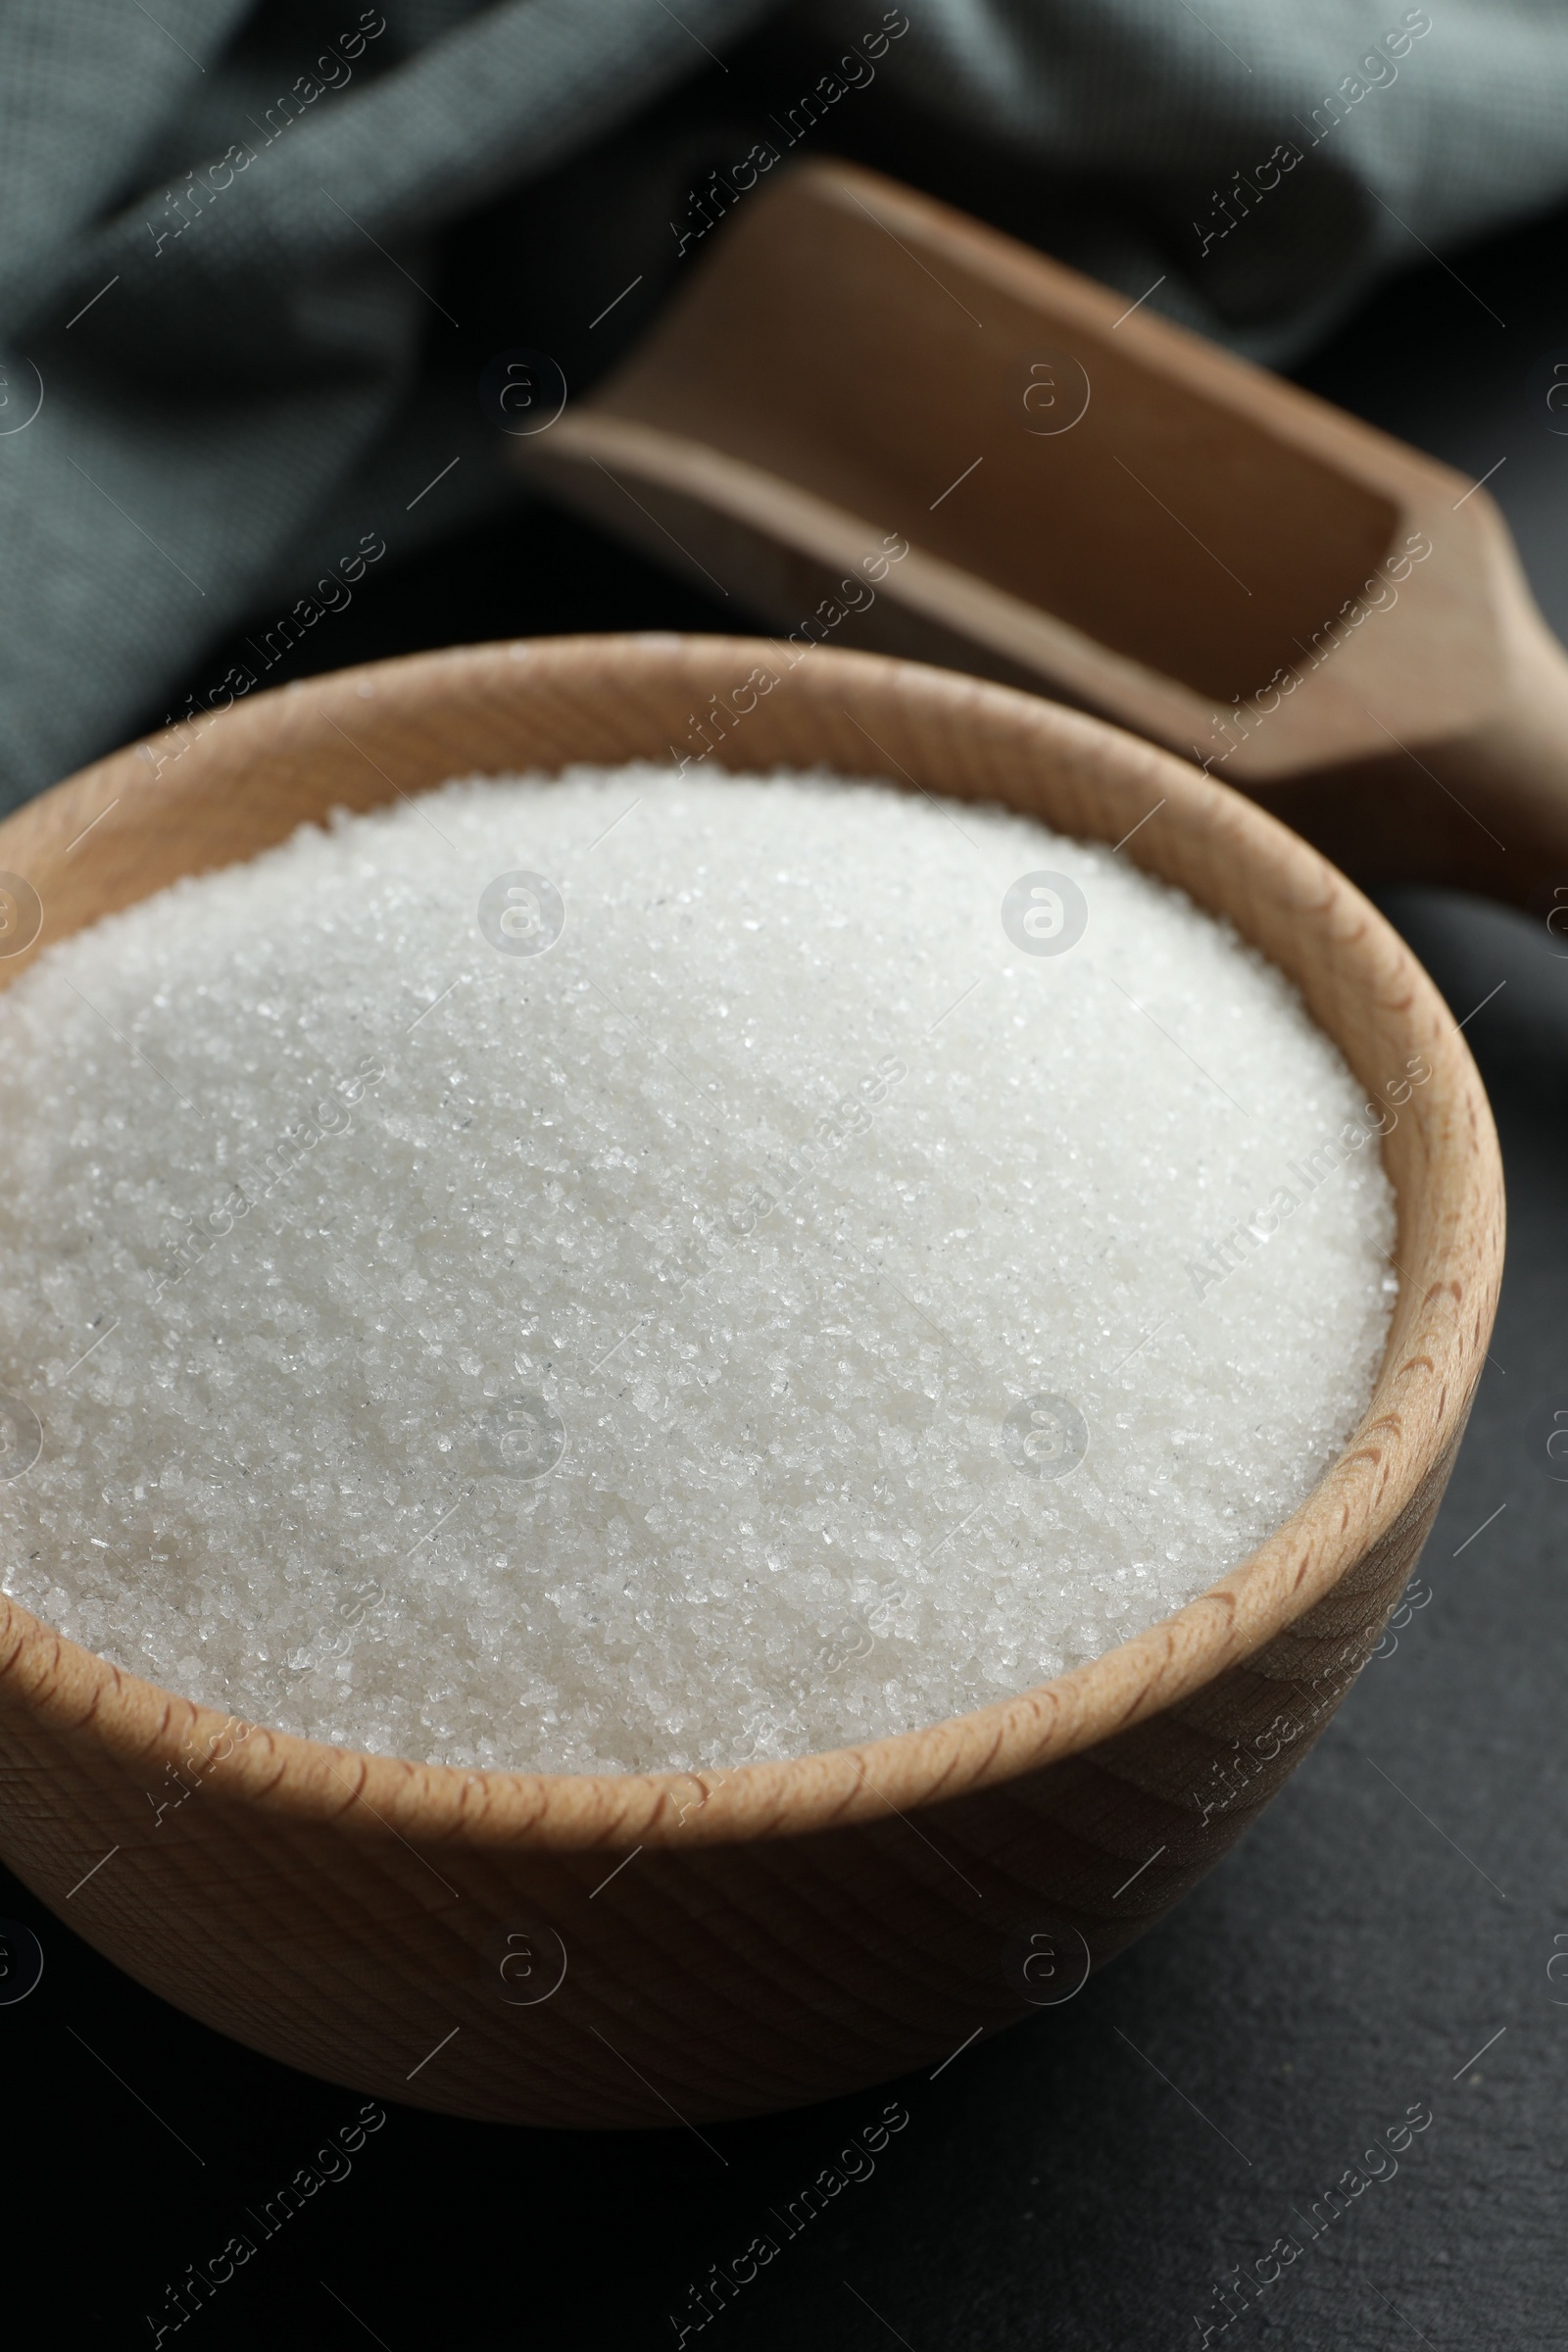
260, 263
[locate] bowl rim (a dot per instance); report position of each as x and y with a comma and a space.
1437, 1342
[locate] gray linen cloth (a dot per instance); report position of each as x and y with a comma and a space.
228, 346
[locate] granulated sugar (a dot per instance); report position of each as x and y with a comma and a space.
634, 1272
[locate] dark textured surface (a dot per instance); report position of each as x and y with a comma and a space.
1082, 2184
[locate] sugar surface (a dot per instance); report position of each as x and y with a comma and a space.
631, 1354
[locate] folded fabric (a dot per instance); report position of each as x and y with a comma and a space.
231, 356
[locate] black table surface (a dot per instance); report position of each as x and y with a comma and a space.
1382, 1942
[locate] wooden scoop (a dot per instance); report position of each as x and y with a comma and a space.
1095, 504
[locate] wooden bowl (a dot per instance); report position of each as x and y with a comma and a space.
647, 1948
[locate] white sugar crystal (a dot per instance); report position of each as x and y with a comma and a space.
788, 1307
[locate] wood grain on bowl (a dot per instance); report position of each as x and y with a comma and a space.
632, 1949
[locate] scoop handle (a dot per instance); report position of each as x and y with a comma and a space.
1483, 809
1513, 774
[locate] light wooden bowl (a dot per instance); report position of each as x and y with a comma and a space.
786, 1930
